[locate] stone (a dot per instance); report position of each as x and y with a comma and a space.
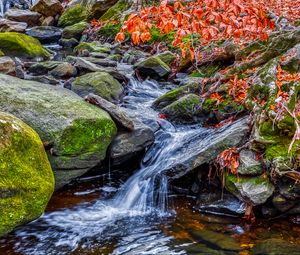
291, 60
119, 116
45, 34
27, 181
167, 57
99, 83
127, 146
46, 79
75, 31
12, 26
7, 66
152, 67
187, 109
49, 21
73, 15
281, 203
252, 190
39, 68
249, 165
99, 7
48, 7
68, 43
93, 47
273, 246
64, 70
27, 16
101, 62
76, 133
17, 44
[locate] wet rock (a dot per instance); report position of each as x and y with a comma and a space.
27, 16
93, 47
99, 83
117, 114
100, 55
274, 246
68, 43
73, 15
167, 57
185, 110
64, 70
253, 190
7, 66
75, 31
48, 7
101, 62
12, 26
133, 56
127, 146
152, 67
27, 181
49, 21
214, 142
249, 165
281, 203
47, 79
216, 203
17, 44
45, 34
42, 67
214, 239
77, 134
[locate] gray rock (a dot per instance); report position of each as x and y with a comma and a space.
39, 68
291, 60
12, 26
99, 83
7, 65
76, 133
47, 79
64, 70
27, 16
248, 164
45, 34
167, 57
152, 67
75, 31
68, 43
128, 145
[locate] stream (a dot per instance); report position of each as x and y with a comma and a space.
115, 213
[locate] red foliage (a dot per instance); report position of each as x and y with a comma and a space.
229, 159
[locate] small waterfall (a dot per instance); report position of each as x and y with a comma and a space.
5, 5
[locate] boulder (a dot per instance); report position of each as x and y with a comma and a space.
75, 31
7, 66
249, 165
64, 70
93, 47
27, 16
252, 190
49, 21
68, 43
167, 57
75, 133
73, 15
39, 68
27, 180
45, 34
12, 26
48, 7
16, 44
152, 67
128, 145
99, 83
187, 109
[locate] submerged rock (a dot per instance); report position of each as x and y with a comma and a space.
99, 83
29, 17
76, 133
275, 246
45, 34
27, 180
16, 44
48, 7
152, 67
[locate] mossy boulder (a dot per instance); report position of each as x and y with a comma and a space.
72, 15
92, 47
75, 31
116, 10
99, 83
26, 178
16, 44
76, 133
252, 190
152, 67
187, 109
167, 57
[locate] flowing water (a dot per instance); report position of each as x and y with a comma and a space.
6, 4
112, 215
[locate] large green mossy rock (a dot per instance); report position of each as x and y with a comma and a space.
17, 44
92, 47
116, 10
73, 15
26, 178
77, 134
75, 31
99, 83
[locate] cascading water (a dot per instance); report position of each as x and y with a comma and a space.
144, 194
6, 4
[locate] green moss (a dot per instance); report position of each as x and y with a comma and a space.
26, 179
73, 15
167, 57
1, 53
116, 10
75, 31
226, 106
158, 36
17, 44
92, 47
110, 30
206, 71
